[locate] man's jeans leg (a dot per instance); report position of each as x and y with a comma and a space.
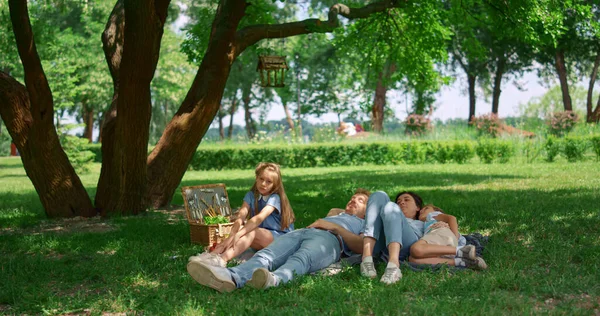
318, 250
270, 258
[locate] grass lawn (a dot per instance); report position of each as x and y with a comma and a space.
543, 222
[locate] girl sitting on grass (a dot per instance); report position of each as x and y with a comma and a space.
439, 243
270, 216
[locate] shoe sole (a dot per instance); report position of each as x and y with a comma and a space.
259, 279
204, 275
472, 254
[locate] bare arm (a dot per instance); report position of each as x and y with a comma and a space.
256, 220
452, 222
240, 217
354, 242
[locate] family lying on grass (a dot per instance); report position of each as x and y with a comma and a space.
370, 225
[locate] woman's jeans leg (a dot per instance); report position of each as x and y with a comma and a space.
397, 229
385, 222
373, 223
276, 254
318, 250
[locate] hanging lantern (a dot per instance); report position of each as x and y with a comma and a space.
272, 70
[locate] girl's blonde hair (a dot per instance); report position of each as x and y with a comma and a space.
287, 214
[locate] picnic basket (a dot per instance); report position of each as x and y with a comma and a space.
201, 201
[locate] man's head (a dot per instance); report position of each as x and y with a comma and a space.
358, 203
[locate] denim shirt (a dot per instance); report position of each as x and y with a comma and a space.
350, 223
273, 221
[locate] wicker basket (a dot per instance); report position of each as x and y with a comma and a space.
201, 233
208, 235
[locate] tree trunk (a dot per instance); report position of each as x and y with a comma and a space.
221, 114
28, 113
170, 158
288, 116
561, 70
88, 118
591, 118
472, 100
231, 114
100, 126
126, 176
379, 104
59, 188
250, 124
500, 66
112, 44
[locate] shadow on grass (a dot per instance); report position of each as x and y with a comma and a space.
141, 265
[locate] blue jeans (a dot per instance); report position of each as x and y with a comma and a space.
385, 222
298, 252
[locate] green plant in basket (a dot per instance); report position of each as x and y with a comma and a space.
219, 219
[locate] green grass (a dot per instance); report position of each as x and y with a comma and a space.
543, 254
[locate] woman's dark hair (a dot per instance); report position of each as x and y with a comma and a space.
418, 200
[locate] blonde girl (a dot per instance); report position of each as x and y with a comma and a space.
270, 213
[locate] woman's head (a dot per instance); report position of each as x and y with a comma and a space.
268, 181
410, 203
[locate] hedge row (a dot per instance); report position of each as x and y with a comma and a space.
416, 152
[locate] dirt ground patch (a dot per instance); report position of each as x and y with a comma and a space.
65, 225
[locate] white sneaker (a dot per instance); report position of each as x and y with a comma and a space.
210, 258
477, 264
262, 279
367, 269
468, 251
214, 277
391, 275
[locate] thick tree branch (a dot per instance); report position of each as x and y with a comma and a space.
254, 33
40, 95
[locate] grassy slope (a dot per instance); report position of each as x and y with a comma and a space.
543, 254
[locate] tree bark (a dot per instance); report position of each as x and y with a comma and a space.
472, 99
170, 158
88, 118
288, 116
127, 173
500, 68
112, 45
250, 124
561, 70
231, 114
592, 115
221, 114
28, 113
379, 104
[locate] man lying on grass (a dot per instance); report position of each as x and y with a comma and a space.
296, 253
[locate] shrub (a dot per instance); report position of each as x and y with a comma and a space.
596, 146
486, 150
443, 153
77, 150
462, 152
417, 125
561, 123
532, 150
487, 124
552, 147
504, 150
574, 149
414, 153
